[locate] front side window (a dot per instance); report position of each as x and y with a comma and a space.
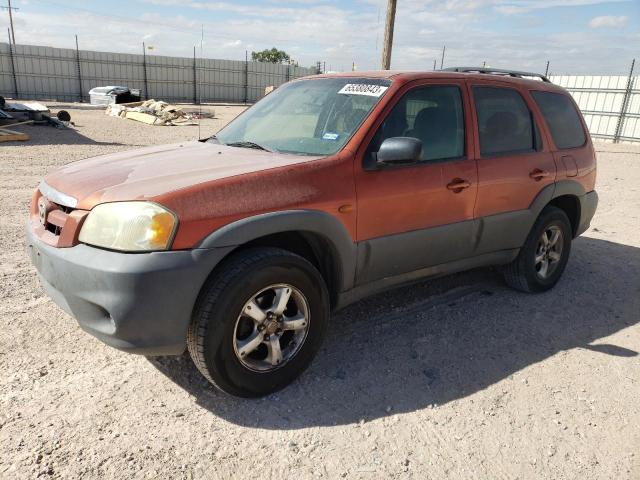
431, 114
562, 118
505, 122
307, 117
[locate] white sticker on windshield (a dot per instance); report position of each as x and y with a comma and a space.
330, 136
362, 89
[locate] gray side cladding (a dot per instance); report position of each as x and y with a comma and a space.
470, 243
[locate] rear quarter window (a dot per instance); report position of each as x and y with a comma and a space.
562, 118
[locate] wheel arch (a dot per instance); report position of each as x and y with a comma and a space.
312, 234
564, 195
569, 204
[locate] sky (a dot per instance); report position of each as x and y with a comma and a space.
575, 36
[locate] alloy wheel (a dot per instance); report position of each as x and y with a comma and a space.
271, 328
549, 251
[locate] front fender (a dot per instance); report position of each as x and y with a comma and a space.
312, 221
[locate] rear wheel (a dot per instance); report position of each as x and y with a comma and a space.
259, 321
544, 256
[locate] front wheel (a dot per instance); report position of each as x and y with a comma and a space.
259, 321
545, 254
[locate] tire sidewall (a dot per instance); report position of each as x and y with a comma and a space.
219, 354
553, 217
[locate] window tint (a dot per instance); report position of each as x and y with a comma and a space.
504, 121
431, 114
562, 118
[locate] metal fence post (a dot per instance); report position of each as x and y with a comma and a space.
625, 104
195, 77
246, 76
79, 72
144, 68
13, 66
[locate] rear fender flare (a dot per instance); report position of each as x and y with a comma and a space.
555, 190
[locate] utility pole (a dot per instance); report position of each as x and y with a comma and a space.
10, 8
388, 34
444, 48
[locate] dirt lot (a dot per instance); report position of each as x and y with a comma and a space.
455, 378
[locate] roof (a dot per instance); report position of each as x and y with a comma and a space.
407, 76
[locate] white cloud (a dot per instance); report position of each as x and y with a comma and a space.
235, 43
608, 21
515, 7
338, 34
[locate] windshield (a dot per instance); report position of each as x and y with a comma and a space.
308, 117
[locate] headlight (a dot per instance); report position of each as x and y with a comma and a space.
129, 226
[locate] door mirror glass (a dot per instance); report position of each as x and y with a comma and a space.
399, 151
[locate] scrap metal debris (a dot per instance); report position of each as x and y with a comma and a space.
152, 112
113, 95
34, 113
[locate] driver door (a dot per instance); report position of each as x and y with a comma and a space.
421, 215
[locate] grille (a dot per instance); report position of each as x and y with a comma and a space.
55, 222
56, 217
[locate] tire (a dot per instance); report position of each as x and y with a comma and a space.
220, 327
525, 272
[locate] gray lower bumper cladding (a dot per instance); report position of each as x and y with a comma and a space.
137, 302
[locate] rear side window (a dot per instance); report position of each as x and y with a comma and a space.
562, 118
505, 123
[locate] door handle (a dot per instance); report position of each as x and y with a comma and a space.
458, 184
538, 174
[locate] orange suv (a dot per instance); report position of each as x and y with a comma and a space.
331, 188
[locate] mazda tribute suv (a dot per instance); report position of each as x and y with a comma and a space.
331, 188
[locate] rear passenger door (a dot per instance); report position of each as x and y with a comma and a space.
514, 164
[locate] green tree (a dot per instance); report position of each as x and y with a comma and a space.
270, 56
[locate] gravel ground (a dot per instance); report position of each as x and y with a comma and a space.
459, 377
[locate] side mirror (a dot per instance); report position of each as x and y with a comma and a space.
397, 151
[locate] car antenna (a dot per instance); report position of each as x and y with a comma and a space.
200, 86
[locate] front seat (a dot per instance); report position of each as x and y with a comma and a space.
436, 127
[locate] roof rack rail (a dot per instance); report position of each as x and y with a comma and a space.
498, 71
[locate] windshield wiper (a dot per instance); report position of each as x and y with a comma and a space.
254, 145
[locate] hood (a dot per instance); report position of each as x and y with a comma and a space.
153, 171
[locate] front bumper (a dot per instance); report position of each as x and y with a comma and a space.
140, 303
